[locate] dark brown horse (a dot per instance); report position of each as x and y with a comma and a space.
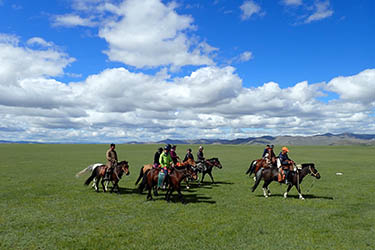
295, 178
147, 167
99, 173
266, 162
206, 167
150, 180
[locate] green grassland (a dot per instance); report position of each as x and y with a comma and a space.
44, 206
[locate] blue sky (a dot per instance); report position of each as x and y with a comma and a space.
102, 71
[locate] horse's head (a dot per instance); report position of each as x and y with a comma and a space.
124, 165
191, 162
216, 162
191, 172
312, 170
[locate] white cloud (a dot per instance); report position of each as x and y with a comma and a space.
18, 63
322, 11
246, 56
292, 2
120, 105
72, 20
357, 88
250, 8
151, 34
39, 41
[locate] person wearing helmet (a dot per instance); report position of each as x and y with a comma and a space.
188, 155
166, 164
285, 162
200, 155
173, 154
111, 157
157, 157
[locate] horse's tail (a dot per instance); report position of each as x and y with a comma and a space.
251, 168
143, 184
140, 176
90, 168
93, 175
258, 178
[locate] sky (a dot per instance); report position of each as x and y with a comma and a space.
90, 71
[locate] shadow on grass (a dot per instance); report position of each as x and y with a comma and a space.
192, 198
209, 184
295, 196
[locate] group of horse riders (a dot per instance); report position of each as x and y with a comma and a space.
284, 164
164, 159
167, 158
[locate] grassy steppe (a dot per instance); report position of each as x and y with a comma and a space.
43, 206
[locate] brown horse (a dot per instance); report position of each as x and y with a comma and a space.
295, 178
150, 179
266, 162
99, 173
206, 167
147, 167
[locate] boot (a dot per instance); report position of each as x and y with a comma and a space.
107, 176
286, 177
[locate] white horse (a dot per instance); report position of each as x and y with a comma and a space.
89, 169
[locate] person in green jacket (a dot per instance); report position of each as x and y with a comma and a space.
166, 163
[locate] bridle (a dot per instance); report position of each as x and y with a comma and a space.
312, 173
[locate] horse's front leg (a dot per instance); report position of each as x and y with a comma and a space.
180, 195
168, 194
187, 183
265, 188
298, 187
102, 182
287, 190
203, 174
149, 196
97, 184
212, 178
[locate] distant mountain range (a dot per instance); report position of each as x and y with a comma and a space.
323, 139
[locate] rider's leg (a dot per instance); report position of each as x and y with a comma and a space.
286, 175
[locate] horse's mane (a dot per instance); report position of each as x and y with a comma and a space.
305, 165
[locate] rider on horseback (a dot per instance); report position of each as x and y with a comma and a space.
285, 162
166, 163
188, 155
200, 154
157, 157
266, 151
111, 157
173, 154
201, 159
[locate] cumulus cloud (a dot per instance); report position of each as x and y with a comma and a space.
250, 8
120, 105
322, 11
150, 34
18, 62
357, 88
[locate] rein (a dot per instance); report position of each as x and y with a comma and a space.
313, 181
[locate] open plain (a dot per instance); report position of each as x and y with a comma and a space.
44, 206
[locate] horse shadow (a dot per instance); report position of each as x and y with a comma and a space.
194, 198
209, 185
306, 196
123, 190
